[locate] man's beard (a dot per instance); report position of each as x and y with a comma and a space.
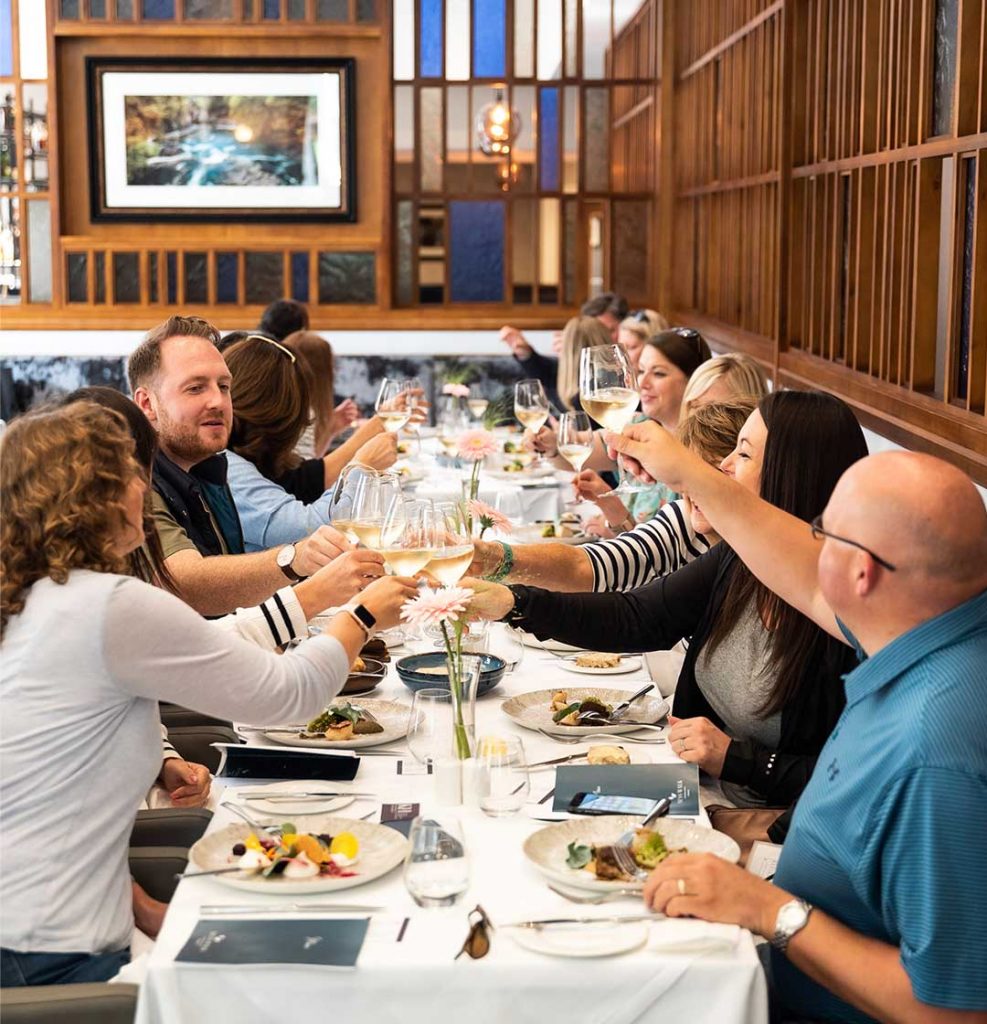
185, 442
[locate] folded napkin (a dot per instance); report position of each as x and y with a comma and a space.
688, 935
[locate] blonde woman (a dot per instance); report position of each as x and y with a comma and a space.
635, 330
721, 378
85, 708
579, 333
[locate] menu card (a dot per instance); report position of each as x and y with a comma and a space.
240, 761
652, 781
332, 942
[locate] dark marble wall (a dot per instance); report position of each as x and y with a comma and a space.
27, 381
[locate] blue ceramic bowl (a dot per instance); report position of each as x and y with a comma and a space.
409, 669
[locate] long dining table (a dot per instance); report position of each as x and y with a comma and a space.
406, 970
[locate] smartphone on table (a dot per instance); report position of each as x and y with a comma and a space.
602, 803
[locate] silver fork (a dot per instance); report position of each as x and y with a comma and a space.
607, 897
622, 848
594, 716
271, 830
601, 736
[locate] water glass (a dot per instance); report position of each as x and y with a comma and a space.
437, 869
430, 725
506, 643
500, 775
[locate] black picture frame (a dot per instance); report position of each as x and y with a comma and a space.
103, 210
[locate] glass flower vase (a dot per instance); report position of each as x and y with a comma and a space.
464, 681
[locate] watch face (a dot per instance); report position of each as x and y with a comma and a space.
286, 556
791, 916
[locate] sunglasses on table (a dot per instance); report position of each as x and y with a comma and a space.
477, 943
818, 533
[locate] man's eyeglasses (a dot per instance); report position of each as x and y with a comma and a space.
818, 533
477, 943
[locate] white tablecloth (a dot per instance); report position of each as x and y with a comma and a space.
416, 981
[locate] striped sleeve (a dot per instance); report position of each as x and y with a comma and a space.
663, 544
271, 625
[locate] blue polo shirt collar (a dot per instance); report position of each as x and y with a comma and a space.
919, 642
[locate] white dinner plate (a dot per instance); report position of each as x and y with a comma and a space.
392, 716
547, 848
533, 710
286, 808
626, 665
530, 640
528, 473
591, 940
382, 849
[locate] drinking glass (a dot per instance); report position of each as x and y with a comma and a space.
476, 403
575, 441
437, 869
408, 536
453, 545
505, 642
372, 502
351, 481
608, 392
500, 775
430, 725
416, 400
393, 405
531, 404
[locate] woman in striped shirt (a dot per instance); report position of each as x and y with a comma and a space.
663, 544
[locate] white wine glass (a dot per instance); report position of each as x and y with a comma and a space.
371, 503
454, 545
476, 403
412, 386
393, 405
531, 406
344, 493
408, 536
608, 392
575, 441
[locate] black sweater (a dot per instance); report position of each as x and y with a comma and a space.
685, 604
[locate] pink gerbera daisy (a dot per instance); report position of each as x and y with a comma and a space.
456, 390
435, 607
476, 445
488, 516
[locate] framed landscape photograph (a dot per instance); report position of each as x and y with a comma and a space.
221, 139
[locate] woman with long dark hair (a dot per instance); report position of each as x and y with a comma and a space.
760, 688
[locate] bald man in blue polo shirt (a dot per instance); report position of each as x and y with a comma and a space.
879, 905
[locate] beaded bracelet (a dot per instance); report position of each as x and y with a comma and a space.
506, 564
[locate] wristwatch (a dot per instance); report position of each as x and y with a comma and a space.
792, 917
285, 557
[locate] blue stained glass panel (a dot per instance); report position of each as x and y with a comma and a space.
226, 272
430, 14
299, 276
6, 41
476, 251
272, 10
158, 10
489, 39
548, 139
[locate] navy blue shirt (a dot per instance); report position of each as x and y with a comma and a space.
890, 835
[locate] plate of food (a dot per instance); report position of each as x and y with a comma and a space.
270, 799
597, 663
578, 853
556, 711
557, 646
337, 853
345, 724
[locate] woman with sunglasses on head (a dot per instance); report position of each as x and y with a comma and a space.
760, 688
279, 497
636, 328
86, 708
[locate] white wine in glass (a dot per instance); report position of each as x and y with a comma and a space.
454, 546
409, 530
393, 405
608, 392
477, 407
531, 404
575, 441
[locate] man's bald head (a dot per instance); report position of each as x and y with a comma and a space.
919, 513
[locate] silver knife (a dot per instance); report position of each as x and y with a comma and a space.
558, 760
551, 922
289, 796
283, 908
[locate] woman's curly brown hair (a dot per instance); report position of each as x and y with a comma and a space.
63, 474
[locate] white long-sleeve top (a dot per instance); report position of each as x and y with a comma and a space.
83, 667
655, 548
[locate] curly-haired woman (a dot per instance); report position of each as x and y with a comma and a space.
87, 651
